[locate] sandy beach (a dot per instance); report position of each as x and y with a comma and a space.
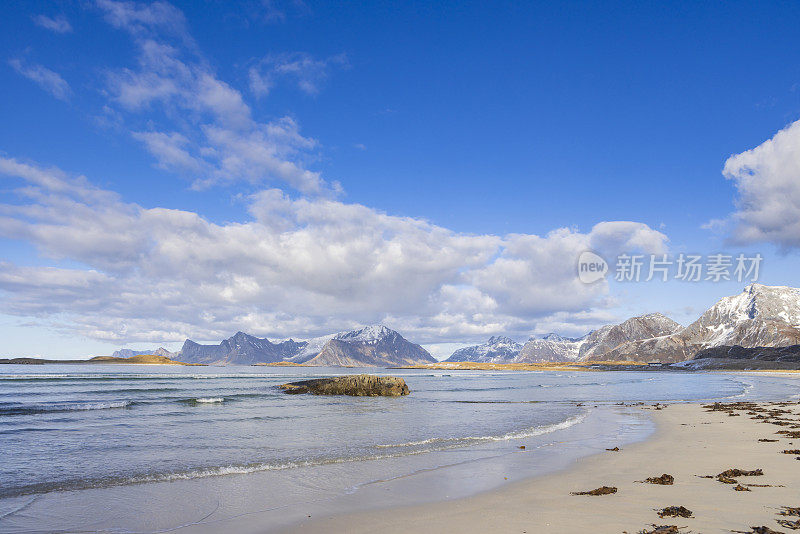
691, 442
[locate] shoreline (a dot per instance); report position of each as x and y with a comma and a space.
429, 486
689, 442
248, 502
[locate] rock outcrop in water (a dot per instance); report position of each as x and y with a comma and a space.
355, 385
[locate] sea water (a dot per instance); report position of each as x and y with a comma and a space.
201, 446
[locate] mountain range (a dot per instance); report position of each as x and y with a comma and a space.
370, 346
555, 348
760, 316
130, 353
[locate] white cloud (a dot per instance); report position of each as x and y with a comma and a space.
292, 267
58, 24
169, 149
193, 122
302, 69
50, 81
767, 178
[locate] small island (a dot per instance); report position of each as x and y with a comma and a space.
353, 385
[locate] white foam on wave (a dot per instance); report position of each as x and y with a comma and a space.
209, 400
293, 464
520, 434
62, 407
746, 388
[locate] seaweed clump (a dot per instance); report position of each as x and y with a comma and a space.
602, 490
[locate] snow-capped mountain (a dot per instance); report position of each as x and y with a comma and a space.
555, 348
550, 348
242, 349
766, 316
368, 334
128, 353
374, 345
312, 347
609, 337
498, 349
760, 316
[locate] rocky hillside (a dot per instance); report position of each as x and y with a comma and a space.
767, 354
376, 346
498, 349
741, 358
241, 349
760, 316
603, 340
129, 353
550, 348
555, 348
370, 346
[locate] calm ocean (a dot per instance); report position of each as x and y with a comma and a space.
225, 440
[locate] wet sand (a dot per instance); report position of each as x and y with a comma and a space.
691, 441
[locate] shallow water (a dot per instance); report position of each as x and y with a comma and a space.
125, 434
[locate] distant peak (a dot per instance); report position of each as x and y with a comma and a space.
376, 330
243, 337
497, 340
368, 333
760, 289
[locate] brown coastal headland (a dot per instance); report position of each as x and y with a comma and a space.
141, 359
543, 366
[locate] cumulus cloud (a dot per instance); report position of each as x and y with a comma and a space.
767, 178
57, 24
306, 72
50, 81
195, 123
291, 267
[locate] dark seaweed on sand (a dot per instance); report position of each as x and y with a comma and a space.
603, 490
675, 511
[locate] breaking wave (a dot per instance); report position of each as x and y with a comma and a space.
26, 409
401, 450
520, 434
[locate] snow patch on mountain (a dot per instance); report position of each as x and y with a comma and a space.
498, 349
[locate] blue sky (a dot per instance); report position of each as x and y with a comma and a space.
381, 163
